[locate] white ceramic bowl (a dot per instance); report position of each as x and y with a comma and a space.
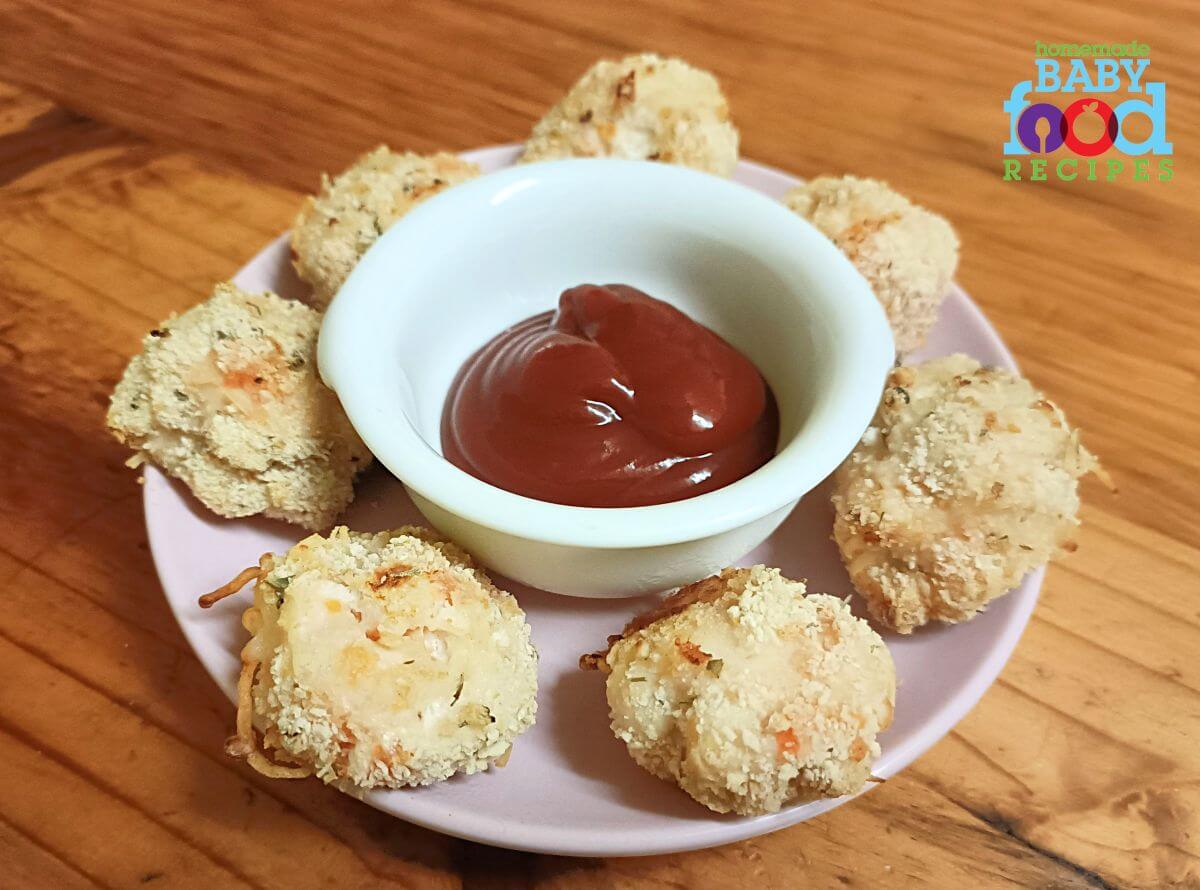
466, 264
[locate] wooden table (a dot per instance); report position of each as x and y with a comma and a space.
148, 148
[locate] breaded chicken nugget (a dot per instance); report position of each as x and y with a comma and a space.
226, 397
750, 694
335, 228
643, 108
906, 253
966, 480
379, 661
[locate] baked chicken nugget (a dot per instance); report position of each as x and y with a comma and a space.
906, 253
749, 694
965, 480
379, 661
226, 397
644, 108
336, 227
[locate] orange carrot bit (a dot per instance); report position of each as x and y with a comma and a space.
692, 652
787, 743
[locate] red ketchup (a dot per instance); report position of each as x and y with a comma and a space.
614, 400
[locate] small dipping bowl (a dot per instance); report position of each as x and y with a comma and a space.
465, 264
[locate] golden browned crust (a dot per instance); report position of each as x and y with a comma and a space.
750, 694
906, 253
702, 591
338, 225
641, 107
226, 397
379, 660
964, 482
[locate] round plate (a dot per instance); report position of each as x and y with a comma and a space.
569, 787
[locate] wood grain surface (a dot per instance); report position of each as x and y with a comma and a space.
149, 148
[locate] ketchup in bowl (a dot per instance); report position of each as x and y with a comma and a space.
615, 399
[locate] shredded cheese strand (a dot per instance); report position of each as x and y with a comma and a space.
243, 745
244, 577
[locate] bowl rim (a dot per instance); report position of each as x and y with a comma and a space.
799, 466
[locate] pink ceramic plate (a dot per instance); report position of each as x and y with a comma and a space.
569, 787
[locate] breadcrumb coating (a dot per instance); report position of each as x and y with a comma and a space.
384, 660
906, 253
965, 480
643, 108
336, 227
749, 694
226, 397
